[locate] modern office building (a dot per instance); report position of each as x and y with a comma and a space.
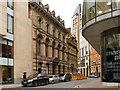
101, 28
15, 41
76, 27
82, 44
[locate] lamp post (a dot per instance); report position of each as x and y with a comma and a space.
37, 40
36, 49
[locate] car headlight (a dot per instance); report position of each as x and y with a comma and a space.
30, 80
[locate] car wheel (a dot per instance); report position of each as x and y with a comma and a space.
24, 85
35, 84
52, 82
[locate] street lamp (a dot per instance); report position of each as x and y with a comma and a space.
37, 40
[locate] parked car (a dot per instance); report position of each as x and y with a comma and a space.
35, 80
92, 76
65, 77
54, 79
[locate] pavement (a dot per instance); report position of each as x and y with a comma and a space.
94, 83
10, 85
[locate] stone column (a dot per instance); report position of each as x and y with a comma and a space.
55, 53
65, 56
42, 48
60, 55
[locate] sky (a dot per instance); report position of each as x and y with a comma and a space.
64, 8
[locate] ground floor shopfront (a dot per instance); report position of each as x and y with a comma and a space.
6, 75
110, 45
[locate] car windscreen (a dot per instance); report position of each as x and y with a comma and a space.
32, 76
50, 76
61, 75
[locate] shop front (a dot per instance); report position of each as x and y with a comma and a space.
110, 52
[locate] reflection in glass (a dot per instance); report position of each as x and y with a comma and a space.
110, 46
90, 10
116, 4
10, 3
93, 9
103, 7
84, 13
10, 23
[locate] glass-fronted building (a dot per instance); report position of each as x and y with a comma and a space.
101, 28
7, 46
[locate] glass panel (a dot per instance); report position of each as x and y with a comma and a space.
84, 14
7, 74
103, 7
10, 23
90, 7
4, 48
10, 3
116, 4
10, 49
110, 55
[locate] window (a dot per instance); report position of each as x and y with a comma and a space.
90, 10
46, 50
99, 7
116, 4
47, 27
59, 36
52, 51
86, 50
39, 23
10, 24
82, 51
47, 68
10, 49
63, 69
10, 4
59, 69
6, 48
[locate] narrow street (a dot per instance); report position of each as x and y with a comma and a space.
85, 84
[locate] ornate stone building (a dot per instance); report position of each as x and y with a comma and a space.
72, 54
50, 39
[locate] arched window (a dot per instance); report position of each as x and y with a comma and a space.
40, 22
47, 27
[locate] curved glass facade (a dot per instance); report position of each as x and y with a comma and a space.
97, 7
110, 55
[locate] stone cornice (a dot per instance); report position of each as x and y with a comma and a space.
48, 15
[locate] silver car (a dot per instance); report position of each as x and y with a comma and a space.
54, 79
